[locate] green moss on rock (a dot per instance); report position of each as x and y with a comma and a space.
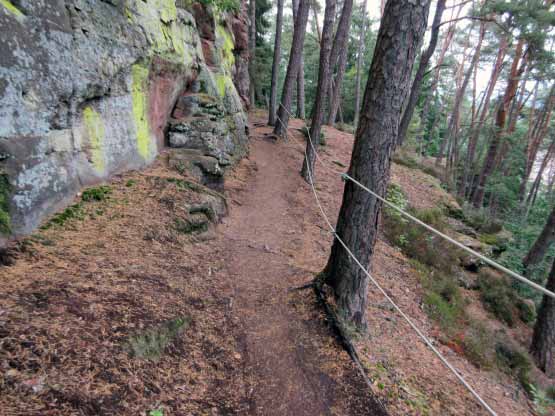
5, 188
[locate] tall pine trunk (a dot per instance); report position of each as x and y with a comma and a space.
324, 75
500, 121
275, 65
300, 76
419, 77
541, 245
484, 111
338, 57
360, 59
401, 31
252, 51
435, 81
543, 340
454, 121
292, 73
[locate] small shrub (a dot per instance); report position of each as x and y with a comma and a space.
480, 221
498, 297
152, 343
306, 133
514, 362
404, 159
130, 183
477, 345
346, 128
99, 193
74, 211
443, 302
526, 311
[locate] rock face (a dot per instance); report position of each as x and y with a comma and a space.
90, 88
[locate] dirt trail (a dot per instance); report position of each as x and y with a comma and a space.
285, 362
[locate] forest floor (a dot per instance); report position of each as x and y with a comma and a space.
115, 312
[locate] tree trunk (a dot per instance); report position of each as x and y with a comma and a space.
537, 182
401, 31
252, 51
360, 59
300, 76
541, 245
435, 82
537, 130
454, 120
419, 77
500, 121
445, 142
473, 140
338, 57
292, 73
275, 65
543, 340
324, 75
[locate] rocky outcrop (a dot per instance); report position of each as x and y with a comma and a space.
91, 88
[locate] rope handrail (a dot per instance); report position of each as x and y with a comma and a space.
421, 335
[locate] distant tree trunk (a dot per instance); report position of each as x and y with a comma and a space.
473, 140
292, 73
360, 58
300, 76
401, 31
428, 99
275, 65
419, 77
537, 182
324, 75
541, 245
454, 121
543, 339
315, 14
338, 57
446, 142
500, 121
252, 51
537, 130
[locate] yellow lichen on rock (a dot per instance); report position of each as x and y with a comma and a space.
94, 126
12, 9
226, 40
139, 96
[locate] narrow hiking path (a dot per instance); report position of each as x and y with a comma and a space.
293, 365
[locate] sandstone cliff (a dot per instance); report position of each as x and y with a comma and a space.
91, 88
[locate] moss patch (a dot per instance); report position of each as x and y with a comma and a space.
5, 188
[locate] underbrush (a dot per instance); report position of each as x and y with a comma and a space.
306, 132
415, 241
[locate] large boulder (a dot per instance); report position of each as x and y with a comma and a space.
88, 87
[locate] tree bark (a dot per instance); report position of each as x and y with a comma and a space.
275, 65
324, 75
543, 339
360, 58
401, 31
419, 77
541, 245
500, 121
300, 76
252, 51
297, 45
338, 57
